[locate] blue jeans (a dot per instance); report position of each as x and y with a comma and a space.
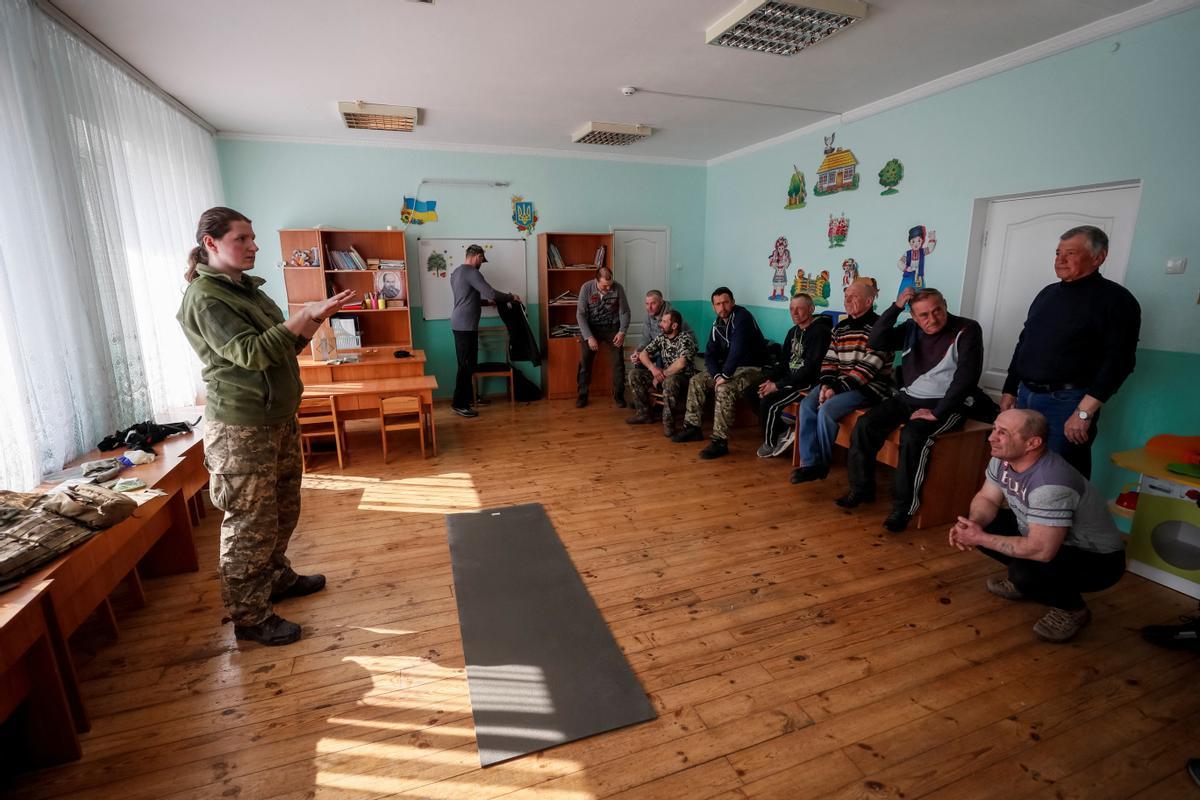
819, 424
1057, 408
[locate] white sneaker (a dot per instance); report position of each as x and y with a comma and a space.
784, 443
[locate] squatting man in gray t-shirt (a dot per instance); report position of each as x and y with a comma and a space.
1056, 536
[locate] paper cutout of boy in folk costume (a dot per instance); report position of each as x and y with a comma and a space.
779, 261
912, 263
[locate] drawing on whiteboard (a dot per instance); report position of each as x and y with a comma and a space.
436, 264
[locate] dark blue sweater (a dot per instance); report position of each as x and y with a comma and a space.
1083, 333
735, 342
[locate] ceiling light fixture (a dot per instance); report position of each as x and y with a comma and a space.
377, 117
783, 27
611, 133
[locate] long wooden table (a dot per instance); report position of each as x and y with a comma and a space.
156, 540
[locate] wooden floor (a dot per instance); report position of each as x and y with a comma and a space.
793, 649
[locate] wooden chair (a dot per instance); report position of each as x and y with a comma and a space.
491, 339
318, 419
401, 413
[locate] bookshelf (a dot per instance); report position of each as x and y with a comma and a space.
561, 364
383, 329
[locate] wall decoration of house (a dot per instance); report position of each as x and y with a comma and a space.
838, 171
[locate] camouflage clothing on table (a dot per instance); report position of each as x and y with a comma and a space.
727, 394
255, 479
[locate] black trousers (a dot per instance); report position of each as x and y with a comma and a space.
466, 348
1059, 581
587, 356
916, 441
769, 410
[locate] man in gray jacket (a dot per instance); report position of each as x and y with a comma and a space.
657, 307
470, 290
603, 316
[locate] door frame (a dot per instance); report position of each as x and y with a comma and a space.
612, 229
979, 217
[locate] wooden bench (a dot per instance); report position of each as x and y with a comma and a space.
955, 472
156, 540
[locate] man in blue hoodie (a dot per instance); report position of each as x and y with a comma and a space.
733, 362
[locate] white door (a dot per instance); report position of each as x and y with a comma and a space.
640, 258
1017, 260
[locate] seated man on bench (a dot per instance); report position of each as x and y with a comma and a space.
674, 348
941, 361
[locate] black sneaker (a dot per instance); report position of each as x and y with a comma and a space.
715, 449
690, 433
806, 474
465, 412
272, 631
482, 401
896, 521
581, 401
853, 499
305, 584
1175, 637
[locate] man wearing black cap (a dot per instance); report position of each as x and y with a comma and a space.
470, 289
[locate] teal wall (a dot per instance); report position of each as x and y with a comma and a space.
290, 185
1096, 114
1091, 115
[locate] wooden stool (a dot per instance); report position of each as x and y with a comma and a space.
407, 413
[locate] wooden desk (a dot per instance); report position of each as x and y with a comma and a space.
371, 365
32, 678
360, 399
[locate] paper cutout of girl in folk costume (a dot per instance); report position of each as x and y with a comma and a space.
779, 261
849, 272
912, 263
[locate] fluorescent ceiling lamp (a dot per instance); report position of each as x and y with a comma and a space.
378, 117
611, 133
783, 27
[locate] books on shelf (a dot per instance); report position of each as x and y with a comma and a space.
564, 331
347, 259
392, 263
568, 296
601, 253
345, 332
554, 257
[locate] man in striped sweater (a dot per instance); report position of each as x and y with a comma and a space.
941, 361
853, 375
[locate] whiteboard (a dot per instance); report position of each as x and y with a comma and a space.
505, 270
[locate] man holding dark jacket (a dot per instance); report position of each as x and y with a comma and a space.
733, 361
941, 361
803, 348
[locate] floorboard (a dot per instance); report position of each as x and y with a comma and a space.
792, 649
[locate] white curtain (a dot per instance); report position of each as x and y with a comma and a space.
101, 184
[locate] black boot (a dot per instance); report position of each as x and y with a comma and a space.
854, 499
690, 433
305, 584
272, 631
715, 449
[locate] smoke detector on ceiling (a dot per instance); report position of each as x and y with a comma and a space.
783, 27
378, 117
611, 133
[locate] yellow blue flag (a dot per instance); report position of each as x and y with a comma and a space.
418, 212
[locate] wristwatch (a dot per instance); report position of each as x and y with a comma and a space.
1083, 415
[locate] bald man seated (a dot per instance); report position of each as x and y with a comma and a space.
1056, 536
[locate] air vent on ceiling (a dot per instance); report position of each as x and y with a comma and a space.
611, 133
378, 117
783, 27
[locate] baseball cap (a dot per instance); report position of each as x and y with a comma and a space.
476, 250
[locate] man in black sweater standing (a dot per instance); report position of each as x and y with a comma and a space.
941, 361
1077, 347
800, 363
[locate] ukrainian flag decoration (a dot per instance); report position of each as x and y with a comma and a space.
418, 212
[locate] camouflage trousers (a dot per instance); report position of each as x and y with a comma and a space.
674, 389
255, 473
727, 396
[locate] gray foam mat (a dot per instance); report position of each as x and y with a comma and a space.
542, 665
